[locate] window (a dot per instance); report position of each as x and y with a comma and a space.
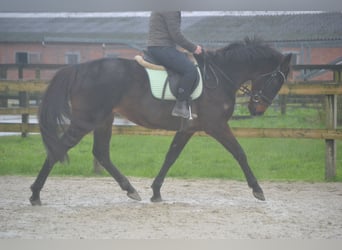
72, 58
294, 59
33, 58
27, 58
21, 57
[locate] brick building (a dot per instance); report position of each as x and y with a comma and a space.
67, 38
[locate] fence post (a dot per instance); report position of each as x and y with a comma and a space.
282, 103
330, 144
24, 103
331, 123
3, 99
338, 79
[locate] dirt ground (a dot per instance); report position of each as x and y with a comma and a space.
96, 208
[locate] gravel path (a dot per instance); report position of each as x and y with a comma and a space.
96, 208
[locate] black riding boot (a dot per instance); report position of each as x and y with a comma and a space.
181, 108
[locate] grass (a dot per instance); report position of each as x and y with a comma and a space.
295, 118
270, 159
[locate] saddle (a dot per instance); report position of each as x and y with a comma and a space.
164, 82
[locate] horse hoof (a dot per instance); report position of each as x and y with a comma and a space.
259, 196
35, 202
134, 195
156, 199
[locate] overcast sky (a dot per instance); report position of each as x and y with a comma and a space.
147, 5
143, 13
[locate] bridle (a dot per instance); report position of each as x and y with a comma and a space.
256, 96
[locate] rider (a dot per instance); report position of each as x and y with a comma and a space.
164, 35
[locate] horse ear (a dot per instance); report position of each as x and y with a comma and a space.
285, 64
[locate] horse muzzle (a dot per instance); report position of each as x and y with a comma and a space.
257, 109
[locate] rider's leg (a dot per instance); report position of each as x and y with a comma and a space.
177, 61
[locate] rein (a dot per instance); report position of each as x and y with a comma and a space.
255, 97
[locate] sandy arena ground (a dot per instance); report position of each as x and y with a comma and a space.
96, 208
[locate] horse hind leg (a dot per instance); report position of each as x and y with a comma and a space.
70, 138
101, 146
37, 186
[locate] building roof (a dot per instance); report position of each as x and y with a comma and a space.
203, 29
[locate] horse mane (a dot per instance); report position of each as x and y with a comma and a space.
248, 51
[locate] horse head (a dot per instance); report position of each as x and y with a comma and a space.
249, 60
266, 86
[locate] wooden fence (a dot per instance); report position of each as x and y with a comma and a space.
330, 134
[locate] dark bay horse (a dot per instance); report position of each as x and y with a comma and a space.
83, 98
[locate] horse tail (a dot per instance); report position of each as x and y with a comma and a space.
55, 111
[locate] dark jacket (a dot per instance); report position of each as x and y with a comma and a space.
165, 30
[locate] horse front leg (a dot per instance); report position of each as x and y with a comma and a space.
225, 136
179, 141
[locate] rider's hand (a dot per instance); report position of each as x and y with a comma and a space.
198, 50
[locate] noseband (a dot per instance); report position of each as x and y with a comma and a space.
256, 96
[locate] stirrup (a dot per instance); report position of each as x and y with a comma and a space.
190, 116
181, 110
